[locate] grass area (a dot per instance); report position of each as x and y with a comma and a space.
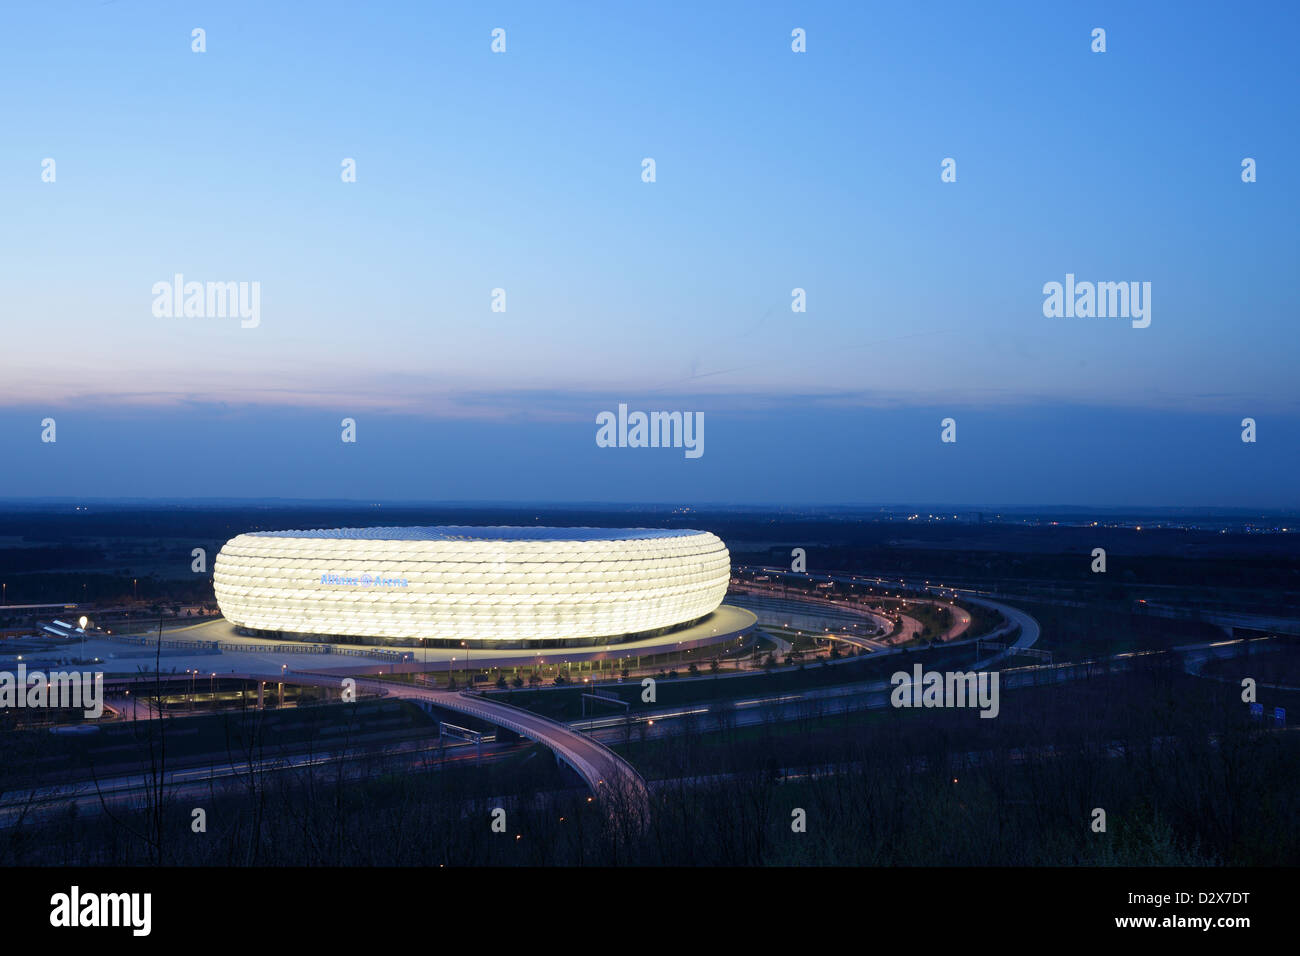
1273, 662
934, 620
1165, 700
641, 753
1079, 633
982, 619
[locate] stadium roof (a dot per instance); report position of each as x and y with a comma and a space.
466, 533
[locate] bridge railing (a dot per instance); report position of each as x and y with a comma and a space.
526, 725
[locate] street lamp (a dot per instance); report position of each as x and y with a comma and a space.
83, 621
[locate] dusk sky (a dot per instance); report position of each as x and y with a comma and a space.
774, 170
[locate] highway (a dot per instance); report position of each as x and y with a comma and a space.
582, 744
609, 777
578, 744
845, 698
122, 791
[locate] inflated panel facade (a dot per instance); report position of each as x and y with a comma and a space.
448, 583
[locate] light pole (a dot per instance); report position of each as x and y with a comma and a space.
83, 621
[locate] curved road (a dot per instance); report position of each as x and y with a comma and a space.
611, 778
1029, 628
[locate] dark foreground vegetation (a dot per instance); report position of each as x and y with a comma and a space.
1182, 772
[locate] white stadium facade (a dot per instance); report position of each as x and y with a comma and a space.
489, 586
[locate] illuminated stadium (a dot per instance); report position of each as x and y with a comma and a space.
491, 586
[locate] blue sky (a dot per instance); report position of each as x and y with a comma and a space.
775, 170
